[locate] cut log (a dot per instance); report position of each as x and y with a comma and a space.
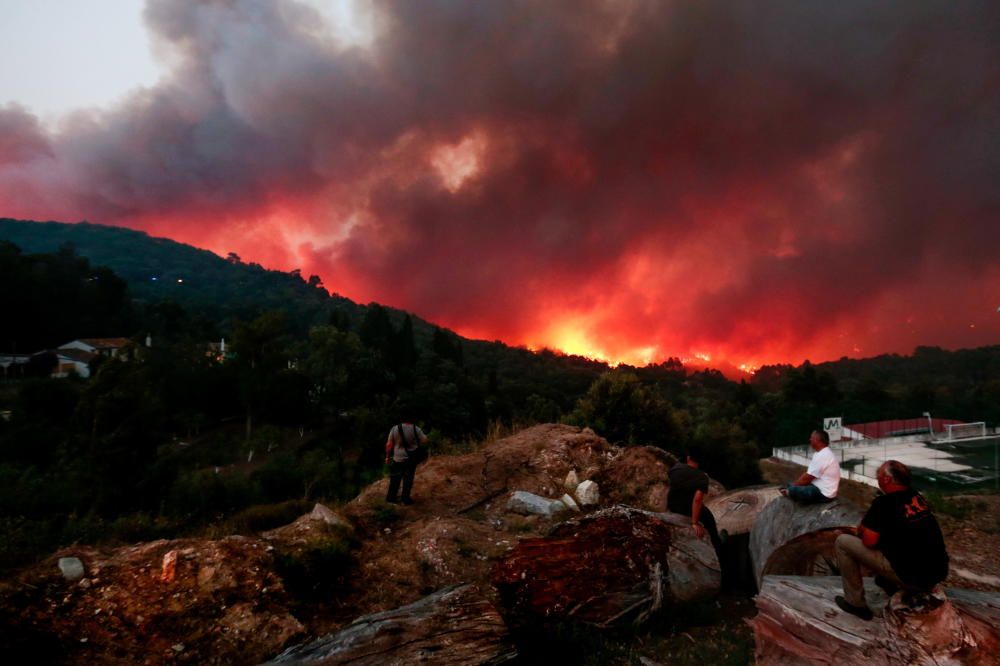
736, 511
610, 568
798, 622
795, 539
455, 625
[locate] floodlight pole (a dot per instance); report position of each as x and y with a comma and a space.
930, 426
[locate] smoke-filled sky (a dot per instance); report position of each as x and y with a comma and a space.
748, 182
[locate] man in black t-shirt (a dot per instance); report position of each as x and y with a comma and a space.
688, 489
898, 539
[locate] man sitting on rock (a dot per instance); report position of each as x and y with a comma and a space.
688, 488
821, 480
898, 539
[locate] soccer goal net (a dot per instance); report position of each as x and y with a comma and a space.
966, 430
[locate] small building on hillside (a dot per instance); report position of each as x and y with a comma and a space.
13, 364
72, 361
107, 347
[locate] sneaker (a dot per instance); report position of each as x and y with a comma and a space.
889, 587
407, 501
862, 612
392, 501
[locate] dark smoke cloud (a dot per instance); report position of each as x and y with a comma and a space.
642, 179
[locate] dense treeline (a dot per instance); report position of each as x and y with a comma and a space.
45, 296
962, 384
181, 438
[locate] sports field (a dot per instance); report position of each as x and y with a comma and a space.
938, 465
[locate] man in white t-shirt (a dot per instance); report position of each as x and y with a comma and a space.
820, 481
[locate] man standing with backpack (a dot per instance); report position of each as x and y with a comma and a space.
405, 448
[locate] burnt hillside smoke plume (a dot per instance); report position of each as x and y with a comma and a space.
631, 179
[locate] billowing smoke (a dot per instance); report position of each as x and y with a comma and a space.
754, 182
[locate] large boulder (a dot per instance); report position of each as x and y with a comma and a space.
527, 503
71, 568
588, 493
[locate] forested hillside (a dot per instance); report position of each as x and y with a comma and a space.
180, 439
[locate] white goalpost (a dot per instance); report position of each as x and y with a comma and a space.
966, 430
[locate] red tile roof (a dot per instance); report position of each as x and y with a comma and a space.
107, 343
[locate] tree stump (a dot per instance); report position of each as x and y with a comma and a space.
736, 510
609, 568
797, 539
799, 623
455, 625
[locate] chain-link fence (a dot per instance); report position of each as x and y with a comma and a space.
940, 465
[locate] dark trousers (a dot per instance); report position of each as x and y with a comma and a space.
707, 521
401, 471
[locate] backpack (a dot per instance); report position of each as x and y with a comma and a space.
418, 455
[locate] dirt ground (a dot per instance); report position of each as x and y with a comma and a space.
459, 525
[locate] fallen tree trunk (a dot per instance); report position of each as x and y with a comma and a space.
455, 625
736, 511
795, 539
799, 623
609, 568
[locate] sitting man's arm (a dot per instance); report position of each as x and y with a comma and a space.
804, 480
699, 498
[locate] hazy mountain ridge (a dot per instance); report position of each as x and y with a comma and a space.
226, 288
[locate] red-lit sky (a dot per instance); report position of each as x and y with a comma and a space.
631, 180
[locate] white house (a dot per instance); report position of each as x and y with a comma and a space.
109, 347
72, 360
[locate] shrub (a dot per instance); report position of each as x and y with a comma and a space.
620, 408
320, 569
267, 516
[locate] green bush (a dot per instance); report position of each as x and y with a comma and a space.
620, 408
267, 516
23, 540
385, 515
320, 570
